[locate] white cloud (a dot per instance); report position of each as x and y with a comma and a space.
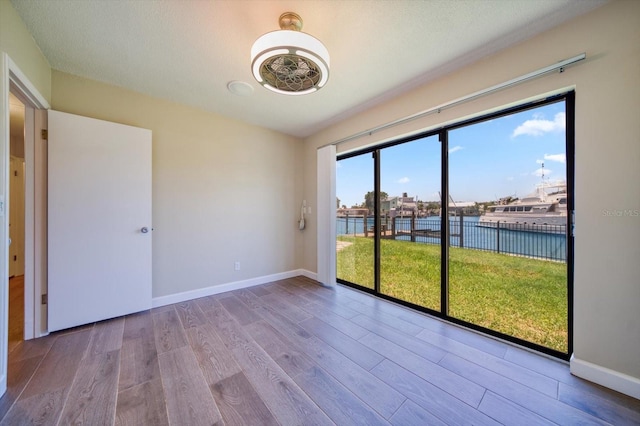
539, 161
510, 178
539, 172
539, 126
560, 158
455, 148
403, 180
338, 164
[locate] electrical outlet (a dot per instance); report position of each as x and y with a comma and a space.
236, 266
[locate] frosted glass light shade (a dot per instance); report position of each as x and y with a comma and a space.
290, 62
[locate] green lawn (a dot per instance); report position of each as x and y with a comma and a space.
525, 298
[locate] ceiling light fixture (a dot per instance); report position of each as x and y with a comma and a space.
289, 61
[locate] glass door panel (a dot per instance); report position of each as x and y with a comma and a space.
410, 255
508, 225
355, 220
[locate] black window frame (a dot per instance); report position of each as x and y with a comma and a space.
442, 133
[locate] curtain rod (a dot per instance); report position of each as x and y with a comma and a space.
437, 109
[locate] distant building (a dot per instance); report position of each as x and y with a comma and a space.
399, 206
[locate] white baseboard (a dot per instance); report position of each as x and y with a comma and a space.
606, 377
221, 288
308, 274
3, 383
314, 276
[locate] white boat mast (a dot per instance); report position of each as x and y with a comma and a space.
541, 192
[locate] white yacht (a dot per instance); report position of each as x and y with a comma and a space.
545, 210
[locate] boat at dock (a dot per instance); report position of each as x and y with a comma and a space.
544, 210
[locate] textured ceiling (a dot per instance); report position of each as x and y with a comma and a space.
188, 51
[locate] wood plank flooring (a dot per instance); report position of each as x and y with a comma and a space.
16, 310
293, 352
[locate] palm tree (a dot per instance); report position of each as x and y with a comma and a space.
369, 198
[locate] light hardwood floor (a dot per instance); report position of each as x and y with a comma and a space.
293, 353
16, 310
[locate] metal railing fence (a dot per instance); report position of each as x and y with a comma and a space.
547, 242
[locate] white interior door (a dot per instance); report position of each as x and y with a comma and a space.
99, 220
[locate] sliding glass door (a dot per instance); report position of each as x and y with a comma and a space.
410, 259
509, 225
469, 223
355, 220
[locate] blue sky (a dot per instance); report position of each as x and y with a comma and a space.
487, 161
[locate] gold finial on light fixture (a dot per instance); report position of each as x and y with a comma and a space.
290, 21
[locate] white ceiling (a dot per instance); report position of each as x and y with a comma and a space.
188, 51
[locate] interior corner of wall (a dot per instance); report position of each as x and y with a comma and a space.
606, 377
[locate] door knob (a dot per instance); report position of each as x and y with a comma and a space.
144, 230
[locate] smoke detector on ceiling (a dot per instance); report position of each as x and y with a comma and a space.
240, 88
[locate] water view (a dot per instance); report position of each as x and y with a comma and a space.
502, 181
541, 245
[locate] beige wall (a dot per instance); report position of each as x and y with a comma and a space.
607, 270
16, 41
223, 191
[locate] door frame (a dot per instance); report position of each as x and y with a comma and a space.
13, 80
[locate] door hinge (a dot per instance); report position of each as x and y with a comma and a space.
45, 299
45, 134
